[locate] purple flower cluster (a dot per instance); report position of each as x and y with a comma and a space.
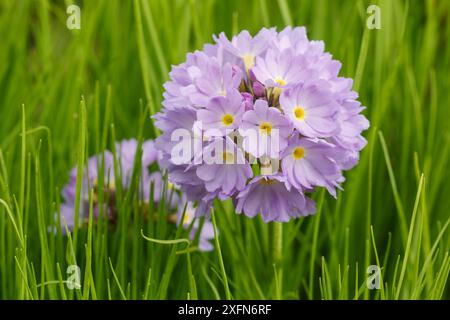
263, 120
126, 153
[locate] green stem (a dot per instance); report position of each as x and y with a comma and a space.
277, 242
219, 254
277, 254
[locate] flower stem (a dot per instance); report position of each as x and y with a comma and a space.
277, 242
277, 255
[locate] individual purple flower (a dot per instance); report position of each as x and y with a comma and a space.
274, 199
181, 137
309, 162
265, 130
353, 123
247, 47
224, 167
279, 69
292, 38
222, 114
201, 78
181, 86
311, 109
175, 118
217, 81
349, 140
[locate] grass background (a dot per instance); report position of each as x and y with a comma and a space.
394, 211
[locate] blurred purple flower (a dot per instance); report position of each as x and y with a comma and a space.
126, 157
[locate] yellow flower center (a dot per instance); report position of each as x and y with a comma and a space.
228, 158
249, 61
265, 128
227, 119
277, 90
280, 81
267, 182
298, 153
299, 113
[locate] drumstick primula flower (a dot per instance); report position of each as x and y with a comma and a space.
278, 101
